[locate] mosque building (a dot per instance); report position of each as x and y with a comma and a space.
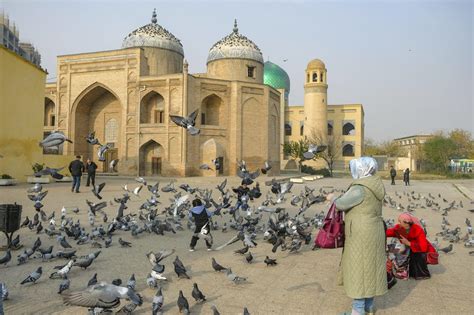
126, 97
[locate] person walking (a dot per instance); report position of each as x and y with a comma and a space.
91, 167
201, 219
363, 263
406, 177
76, 168
393, 173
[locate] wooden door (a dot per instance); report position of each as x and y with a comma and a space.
110, 155
155, 165
221, 163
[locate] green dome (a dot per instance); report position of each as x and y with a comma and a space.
275, 76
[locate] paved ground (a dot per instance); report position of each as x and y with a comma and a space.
302, 283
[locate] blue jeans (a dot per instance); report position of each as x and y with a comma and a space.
363, 305
76, 182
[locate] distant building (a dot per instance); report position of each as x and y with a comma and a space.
410, 155
10, 38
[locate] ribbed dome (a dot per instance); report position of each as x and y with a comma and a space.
153, 35
235, 45
275, 76
316, 64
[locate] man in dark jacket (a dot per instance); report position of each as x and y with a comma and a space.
90, 168
406, 177
201, 218
393, 173
76, 168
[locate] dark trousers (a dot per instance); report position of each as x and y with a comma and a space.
76, 182
418, 268
195, 238
90, 178
393, 180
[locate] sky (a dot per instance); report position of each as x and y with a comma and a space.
409, 63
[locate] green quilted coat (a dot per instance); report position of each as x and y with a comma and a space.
363, 259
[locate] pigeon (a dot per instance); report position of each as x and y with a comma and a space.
54, 139
64, 285
157, 303
96, 189
249, 257
136, 191
183, 304
26, 222
205, 167
62, 273
94, 207
187, 122
216, 266
117, 282
155, 258
141, 180
34, 276
151, 281
102, 295
242, 251
131, 283
124, 243
93, 280
3, 292
35, 189
217, 164
447, 249
179, 268
246, 311
313, 150
270, 262
266, 168
53, 172
233, 277
197, 294
91, 139
64, 243
83, 263
101, 152
6, 259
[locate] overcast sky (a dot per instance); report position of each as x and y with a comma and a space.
410, 63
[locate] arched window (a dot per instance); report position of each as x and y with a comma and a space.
287, 129
348, 129
330, 129
111, 131
315, 77
49, 117
322, 77
211, 110
152, 109
348, 150
307, 78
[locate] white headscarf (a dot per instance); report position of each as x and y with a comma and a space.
363, 167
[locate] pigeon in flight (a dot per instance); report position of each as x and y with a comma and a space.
313, 150
91, 139
266, 167
54, 140
53, 172
96, 189
187, 122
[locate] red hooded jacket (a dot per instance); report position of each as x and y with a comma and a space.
416, 236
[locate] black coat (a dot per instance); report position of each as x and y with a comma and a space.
76, 168
393, 172
90, 168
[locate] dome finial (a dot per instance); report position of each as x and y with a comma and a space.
236, 29
153, 17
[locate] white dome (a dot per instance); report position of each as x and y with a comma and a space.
235, 45
153, 35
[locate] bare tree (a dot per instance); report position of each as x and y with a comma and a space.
333, 150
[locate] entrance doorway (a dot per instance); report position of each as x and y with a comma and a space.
155, 165
110, 155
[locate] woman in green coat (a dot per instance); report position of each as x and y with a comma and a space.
363, 258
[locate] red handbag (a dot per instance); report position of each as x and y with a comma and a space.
331, 235
432, 258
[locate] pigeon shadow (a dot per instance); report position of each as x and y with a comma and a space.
309, 284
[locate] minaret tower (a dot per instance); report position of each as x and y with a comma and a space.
315, 101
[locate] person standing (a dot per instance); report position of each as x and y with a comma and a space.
406, 177
201, 219
76, 168
363, 263
393, 173
90, 168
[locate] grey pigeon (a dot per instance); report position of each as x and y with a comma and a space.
216, 266
180, 269
249, 257
53, 172
112, 165
83, 263
124, 243
34, 276
183, 304
93, 280
187, 123
233, 277
197, 294
157, 303
101, 152
54, 139
313, 150
132, 282
35, 189
96, 189
64, 285
447, 249
101, 295
5, 259
266, 168
270, 262
91, 139
3, 292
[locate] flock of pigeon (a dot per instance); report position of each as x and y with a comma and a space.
282, 230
